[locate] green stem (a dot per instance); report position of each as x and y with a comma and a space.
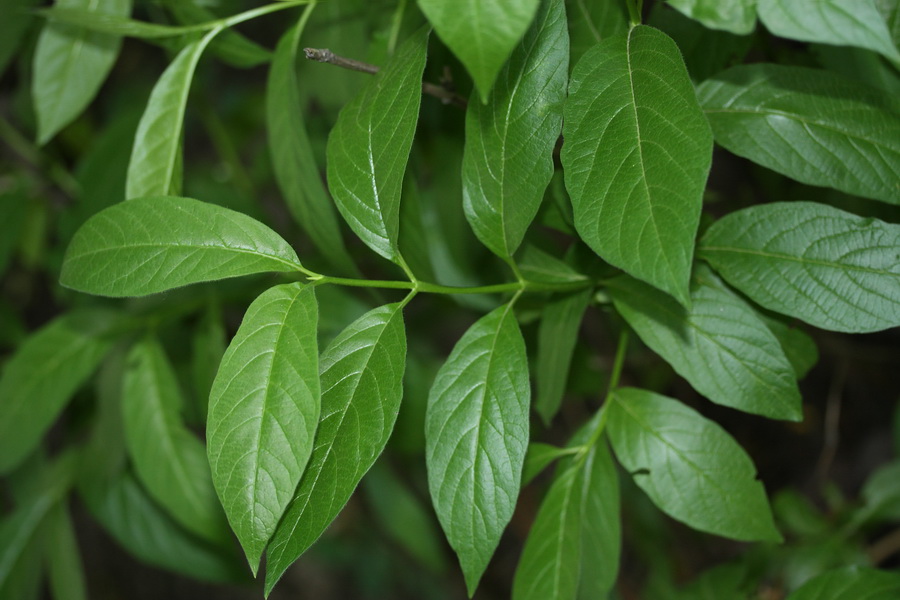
634, 11
435, 288
603, 414
397, 21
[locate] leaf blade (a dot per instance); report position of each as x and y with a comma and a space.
149, 245
362, 386
509, 141
689, 466
827, 267
643, 218
736, 16
474, 479
367, 153
265, 402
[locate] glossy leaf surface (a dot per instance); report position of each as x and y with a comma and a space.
837, 22
476, 434
811, 125
689, 466
150, 245
168, 458
292, 156
720, 346
362, 385
827, 267
557, 336
637, 154
850, 583
70, 65
154, 157
481, 33
41, 377
263, 411
736, 16
369, 146
508, 156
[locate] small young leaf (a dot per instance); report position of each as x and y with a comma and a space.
64, 566
150, 245
592, 21
811, 125
154, 156
476, 434
538, 457
144, 529
557, 335
70, 65
263, 411
637, 200
720, 346
824, 266
850, 583
41, 377
830, 22
736, 16
689, 466
538, 266
509, 141
481, 33
292, 156
362, 385
369, 146
169, 460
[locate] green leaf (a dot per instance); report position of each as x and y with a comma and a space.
362, 383
508, 156
538, 266
476, 434
208, 345
17, 18
65, 569
538, 457
116, 25
263, 411
799, 348
144, 529
811, 125
736, 16
154, 156
862, 65
367, 150
557, 335
168, 458
720, 346
824, 266
850, 583
70, 65
292, 156
43, 375
13, 213
881, 495
561, 552
232, 47
689, 466
150, 245
637, 201
592, 21
830, 22
481, 33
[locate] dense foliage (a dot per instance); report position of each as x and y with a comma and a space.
264, 282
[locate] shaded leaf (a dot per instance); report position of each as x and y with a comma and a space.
476, 434
292, 156
538, 457
799, 347
208, 346
154, 156
70, 65
824, 266
509, 140
64, 567
43, 375
637, 201
362, 385
367, 151
557, 335
850, 583
481, 33
830, 22
862, 65
232, 47
168, 458
592, 21
689, 466
811, 125
150, 245
116, 25
538, 266
263, 410
736, 16
720, 346
17, 18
